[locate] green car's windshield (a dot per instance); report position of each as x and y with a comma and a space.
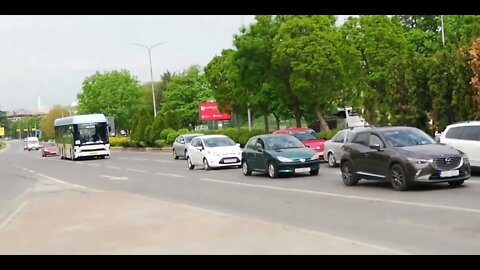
283, 142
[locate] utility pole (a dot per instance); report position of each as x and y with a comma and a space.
249, 114
443, 31
151, 73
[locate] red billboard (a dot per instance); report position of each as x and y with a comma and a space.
209, 111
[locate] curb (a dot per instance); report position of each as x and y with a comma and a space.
140, 149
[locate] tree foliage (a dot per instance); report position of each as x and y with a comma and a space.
47, 121
114, 93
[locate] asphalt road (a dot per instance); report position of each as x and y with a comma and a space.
429, 219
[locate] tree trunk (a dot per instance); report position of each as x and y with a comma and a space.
265, 121
237, 118
277, 120
323, 123
298, 117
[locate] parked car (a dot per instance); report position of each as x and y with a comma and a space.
333, 147
307, 136
279, 153
32, 143
181, 143
49, 149
402, 156
464, 136
213, 151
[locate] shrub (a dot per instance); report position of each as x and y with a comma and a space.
171, 137
126, 143
117, 141
183, 131
165, 132
160, 143
327, 135
148, 135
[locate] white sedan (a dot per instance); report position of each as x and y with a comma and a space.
213, 151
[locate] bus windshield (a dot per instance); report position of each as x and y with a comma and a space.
91, 133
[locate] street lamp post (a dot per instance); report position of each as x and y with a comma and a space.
443, 31
151, 73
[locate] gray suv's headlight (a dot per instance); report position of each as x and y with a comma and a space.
420, 163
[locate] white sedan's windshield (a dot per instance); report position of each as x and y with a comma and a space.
218, 142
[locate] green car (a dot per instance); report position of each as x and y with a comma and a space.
278, 153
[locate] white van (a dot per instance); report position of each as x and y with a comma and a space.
32, 144
464, 136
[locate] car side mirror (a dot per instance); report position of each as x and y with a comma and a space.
376, 146
199, 148
237, 144
259, 147
182, 142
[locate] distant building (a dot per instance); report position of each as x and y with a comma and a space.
18, 114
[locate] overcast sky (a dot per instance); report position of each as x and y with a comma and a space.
50, 56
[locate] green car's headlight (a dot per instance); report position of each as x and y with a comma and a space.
284, 159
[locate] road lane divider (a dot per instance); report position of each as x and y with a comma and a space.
116, 178
136, 170
68, 184
170, 174
113, 167
345, 196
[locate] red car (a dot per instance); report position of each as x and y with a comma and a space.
308, 136
49, 149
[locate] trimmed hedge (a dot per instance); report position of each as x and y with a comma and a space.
117, 141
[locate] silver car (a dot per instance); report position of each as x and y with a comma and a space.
181, 144
333, 147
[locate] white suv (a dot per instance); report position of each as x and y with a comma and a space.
465, 136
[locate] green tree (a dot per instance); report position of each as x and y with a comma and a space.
378, 39
312, 46
47, 121
114, 93
184, 93
253, 61
222, 75
143, 119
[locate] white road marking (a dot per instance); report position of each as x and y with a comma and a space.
12, 216
140, 159
94, 165
216, 212
136, 170
444, 207
170, 174
124, 158
124, 178
113, 167
164, 161
68, 184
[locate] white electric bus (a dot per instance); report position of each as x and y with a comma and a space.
82, 136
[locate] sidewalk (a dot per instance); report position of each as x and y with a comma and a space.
61, 220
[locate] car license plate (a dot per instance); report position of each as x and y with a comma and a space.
93, 153
300, 170
230, 160
449, 173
